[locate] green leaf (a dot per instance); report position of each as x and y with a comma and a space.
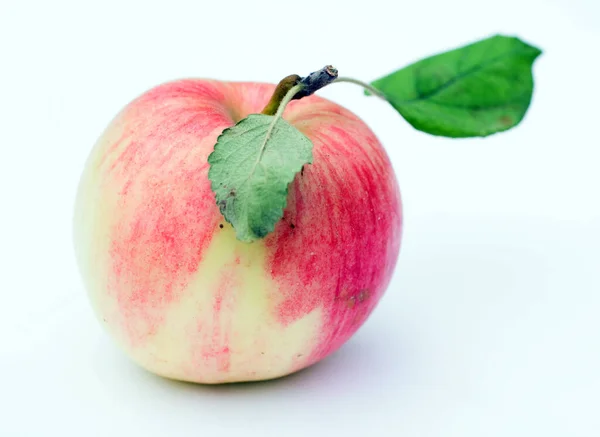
476, 90
250, 169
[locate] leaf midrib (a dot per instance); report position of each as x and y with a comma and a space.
461, 76
518, 100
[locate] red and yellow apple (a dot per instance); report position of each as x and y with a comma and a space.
167, 277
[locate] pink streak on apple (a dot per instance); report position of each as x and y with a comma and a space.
157, 248
215, 344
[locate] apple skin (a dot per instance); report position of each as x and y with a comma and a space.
164, 272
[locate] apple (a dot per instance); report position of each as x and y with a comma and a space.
165, 273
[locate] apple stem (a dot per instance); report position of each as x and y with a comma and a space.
294, 87
365, 85
305, 87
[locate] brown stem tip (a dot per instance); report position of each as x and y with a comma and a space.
317, 80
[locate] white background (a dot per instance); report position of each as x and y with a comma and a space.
491, 324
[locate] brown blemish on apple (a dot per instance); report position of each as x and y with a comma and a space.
351, 301
363, 295
360, 297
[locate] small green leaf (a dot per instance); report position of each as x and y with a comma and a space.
250, 169
476, 90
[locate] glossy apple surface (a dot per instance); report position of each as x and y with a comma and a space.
164, 271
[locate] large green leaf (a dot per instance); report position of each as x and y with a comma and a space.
477, 90
250, 169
